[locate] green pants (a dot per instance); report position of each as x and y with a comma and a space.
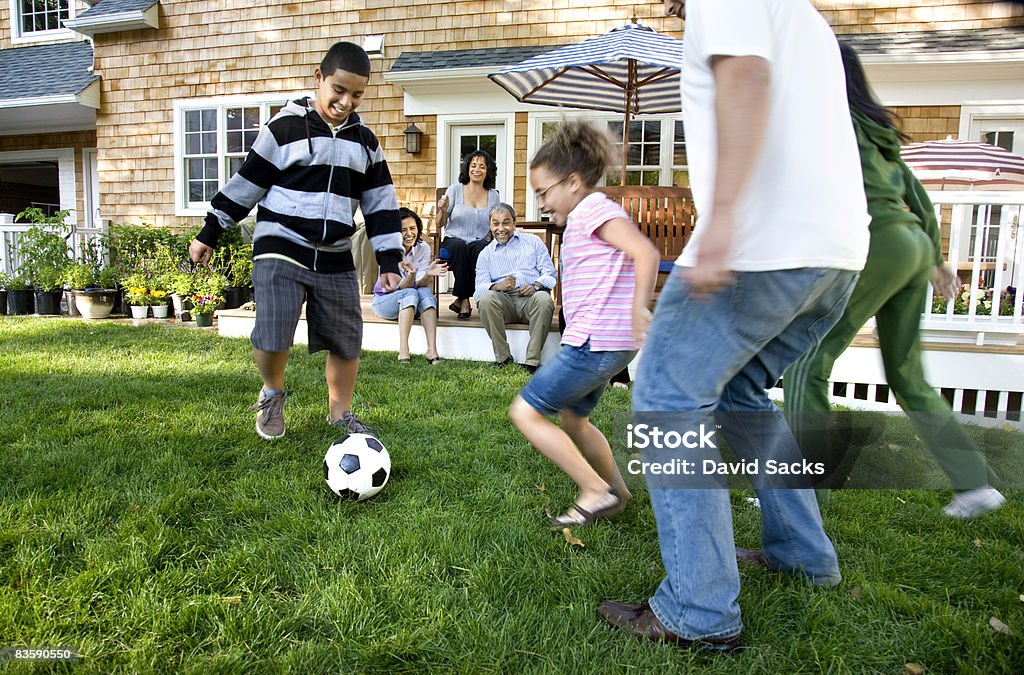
892, 288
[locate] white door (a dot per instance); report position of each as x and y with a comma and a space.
487, 137
1002, 243
1007, 133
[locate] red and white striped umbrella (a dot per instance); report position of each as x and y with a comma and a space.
964, 165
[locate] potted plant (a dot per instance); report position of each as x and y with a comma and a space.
4, 280
158, 302
182, 286
44, 255
208, 297
92, 289
233, 259
136, 294
20, 296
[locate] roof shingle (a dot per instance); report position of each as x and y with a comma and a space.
117, 7
918, 42
45, 70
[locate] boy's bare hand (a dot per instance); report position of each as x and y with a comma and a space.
199, 252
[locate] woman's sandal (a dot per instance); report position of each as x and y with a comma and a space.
577, 516
466, 314
434, 361
456, 306
405, 361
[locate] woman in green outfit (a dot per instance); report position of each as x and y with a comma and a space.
905, 254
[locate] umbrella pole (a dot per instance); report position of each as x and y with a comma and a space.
630, 82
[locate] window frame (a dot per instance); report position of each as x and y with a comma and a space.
182, 206
18, 37
667, 169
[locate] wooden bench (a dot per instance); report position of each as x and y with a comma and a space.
664, 214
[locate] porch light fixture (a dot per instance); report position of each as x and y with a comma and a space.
413, 135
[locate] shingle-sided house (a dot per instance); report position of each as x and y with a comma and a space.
138, 110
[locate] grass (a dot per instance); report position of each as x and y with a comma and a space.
143, 523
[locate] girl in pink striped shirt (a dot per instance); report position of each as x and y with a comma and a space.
608, 273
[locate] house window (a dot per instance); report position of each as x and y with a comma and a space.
213, 141
680, 169
39, 18
643, 159
656, 155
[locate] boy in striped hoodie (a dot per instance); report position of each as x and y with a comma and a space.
309, 169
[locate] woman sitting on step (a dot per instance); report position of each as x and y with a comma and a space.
413, 296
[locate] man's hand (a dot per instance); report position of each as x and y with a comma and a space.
407, 267
389, 281
944, 281
526, 290
199, 252
711, 272
675, 8
505, 285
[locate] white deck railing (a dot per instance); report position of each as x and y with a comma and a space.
985, 247
78, 239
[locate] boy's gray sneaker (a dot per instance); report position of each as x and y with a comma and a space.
350, 424
270, 415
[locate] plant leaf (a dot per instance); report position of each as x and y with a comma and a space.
571, 538
855, 592
977, 542
913, 669
232, 599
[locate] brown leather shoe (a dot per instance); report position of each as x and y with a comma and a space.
640, 621
753, 556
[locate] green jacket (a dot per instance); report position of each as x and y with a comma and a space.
895, 195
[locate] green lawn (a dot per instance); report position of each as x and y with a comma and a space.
144, 523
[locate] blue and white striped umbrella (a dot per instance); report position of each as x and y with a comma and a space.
632, 70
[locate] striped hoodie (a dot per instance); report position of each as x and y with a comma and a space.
308, 182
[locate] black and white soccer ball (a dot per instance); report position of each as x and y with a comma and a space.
357, 466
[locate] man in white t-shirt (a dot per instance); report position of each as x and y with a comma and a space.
781, 235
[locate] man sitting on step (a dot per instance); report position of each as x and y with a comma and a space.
514, 280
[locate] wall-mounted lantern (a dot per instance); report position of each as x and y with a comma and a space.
413, 137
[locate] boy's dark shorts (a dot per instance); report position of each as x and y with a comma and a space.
333, 313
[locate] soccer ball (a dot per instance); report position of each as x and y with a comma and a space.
357, 466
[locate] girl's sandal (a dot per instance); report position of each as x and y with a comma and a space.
577, 516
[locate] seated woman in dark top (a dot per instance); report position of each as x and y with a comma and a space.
463, 212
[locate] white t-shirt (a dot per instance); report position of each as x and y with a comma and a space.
804, 204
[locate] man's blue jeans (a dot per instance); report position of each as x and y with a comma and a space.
721, 352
